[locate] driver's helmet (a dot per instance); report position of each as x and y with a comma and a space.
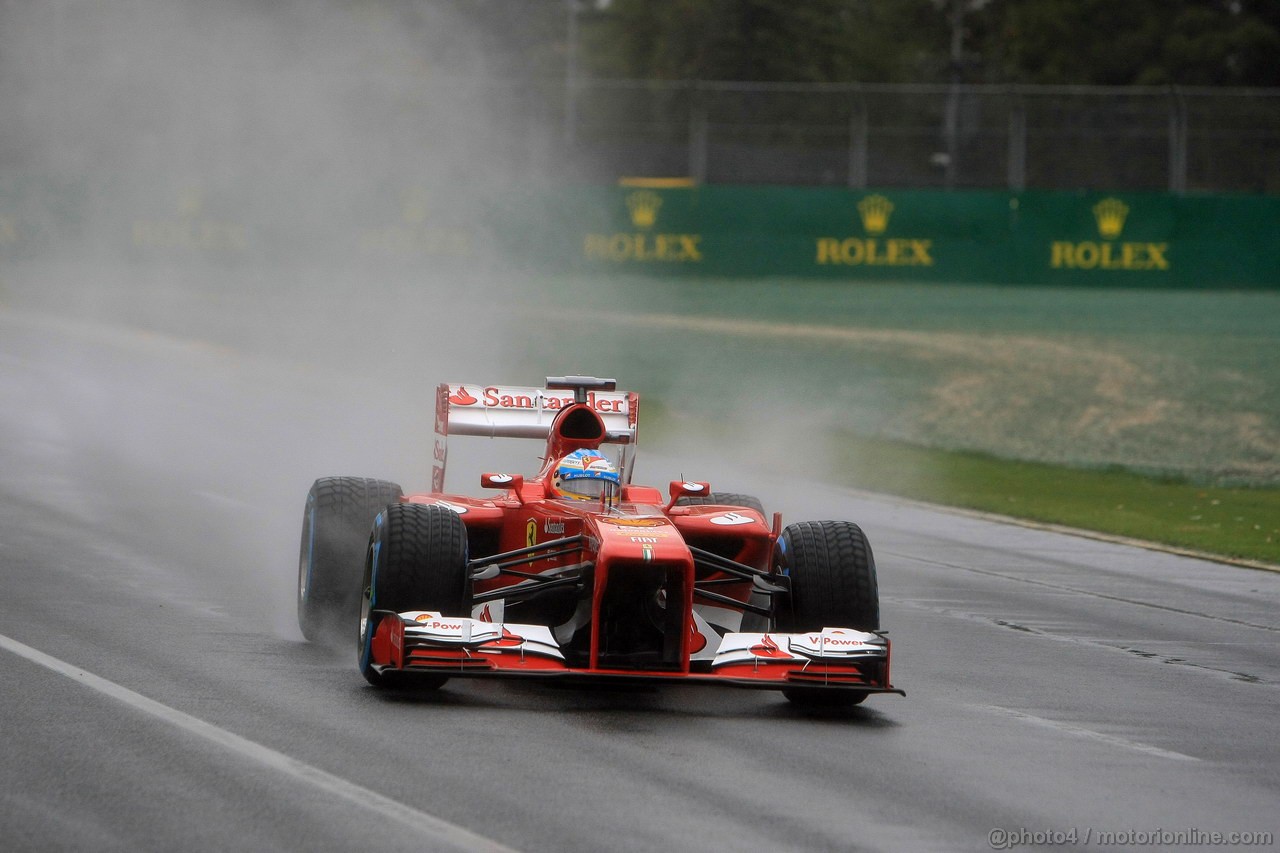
585, 475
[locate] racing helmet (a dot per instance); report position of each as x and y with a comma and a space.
585, 475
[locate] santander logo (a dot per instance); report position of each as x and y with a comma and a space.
463, 397
767, 648
510, 397
697, 642
506, 640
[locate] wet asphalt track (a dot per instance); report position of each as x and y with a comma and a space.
157, 696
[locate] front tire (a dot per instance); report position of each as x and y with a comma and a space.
416, 560
335, 529
833, 584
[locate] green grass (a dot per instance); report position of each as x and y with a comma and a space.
1147, 414
1232, 522
1183, 383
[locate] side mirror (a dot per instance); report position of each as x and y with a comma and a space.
685, 489
513, 482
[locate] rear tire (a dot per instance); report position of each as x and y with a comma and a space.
335, 530
725, 498
416, 560
750, 621
833, 585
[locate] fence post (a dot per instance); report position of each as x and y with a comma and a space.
858, 130
697, 134
1177, 141
1017, 143
950, 133
571, 74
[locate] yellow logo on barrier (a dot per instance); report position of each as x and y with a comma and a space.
413, 205
191, 201
417, 233
8, 229
874, 212
642, 246
190, 229
644, 206
1110, 214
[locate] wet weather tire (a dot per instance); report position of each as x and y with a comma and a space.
335, 530
833, 578
723, 498
833, 585
416, 560
750, 621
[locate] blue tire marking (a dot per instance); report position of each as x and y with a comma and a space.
311, 549
366, 650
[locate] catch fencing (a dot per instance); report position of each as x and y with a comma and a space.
925, 136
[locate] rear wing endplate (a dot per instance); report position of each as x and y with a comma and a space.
513, 411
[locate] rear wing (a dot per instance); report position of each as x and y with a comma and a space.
513, 411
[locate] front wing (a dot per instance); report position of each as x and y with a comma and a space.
426, 642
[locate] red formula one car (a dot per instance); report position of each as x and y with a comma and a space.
576, 573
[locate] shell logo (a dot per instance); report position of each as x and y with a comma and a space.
697, 641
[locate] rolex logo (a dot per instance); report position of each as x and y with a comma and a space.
643, 245
190, 229
413, 206
1109, 253
644, 208
875, 250
191, 201
875, 210
1110, 214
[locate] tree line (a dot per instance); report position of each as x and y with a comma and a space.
1072, 42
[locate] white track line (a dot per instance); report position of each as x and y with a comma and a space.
1089, 734
436, 832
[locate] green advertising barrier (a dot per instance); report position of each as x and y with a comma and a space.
1033, 237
